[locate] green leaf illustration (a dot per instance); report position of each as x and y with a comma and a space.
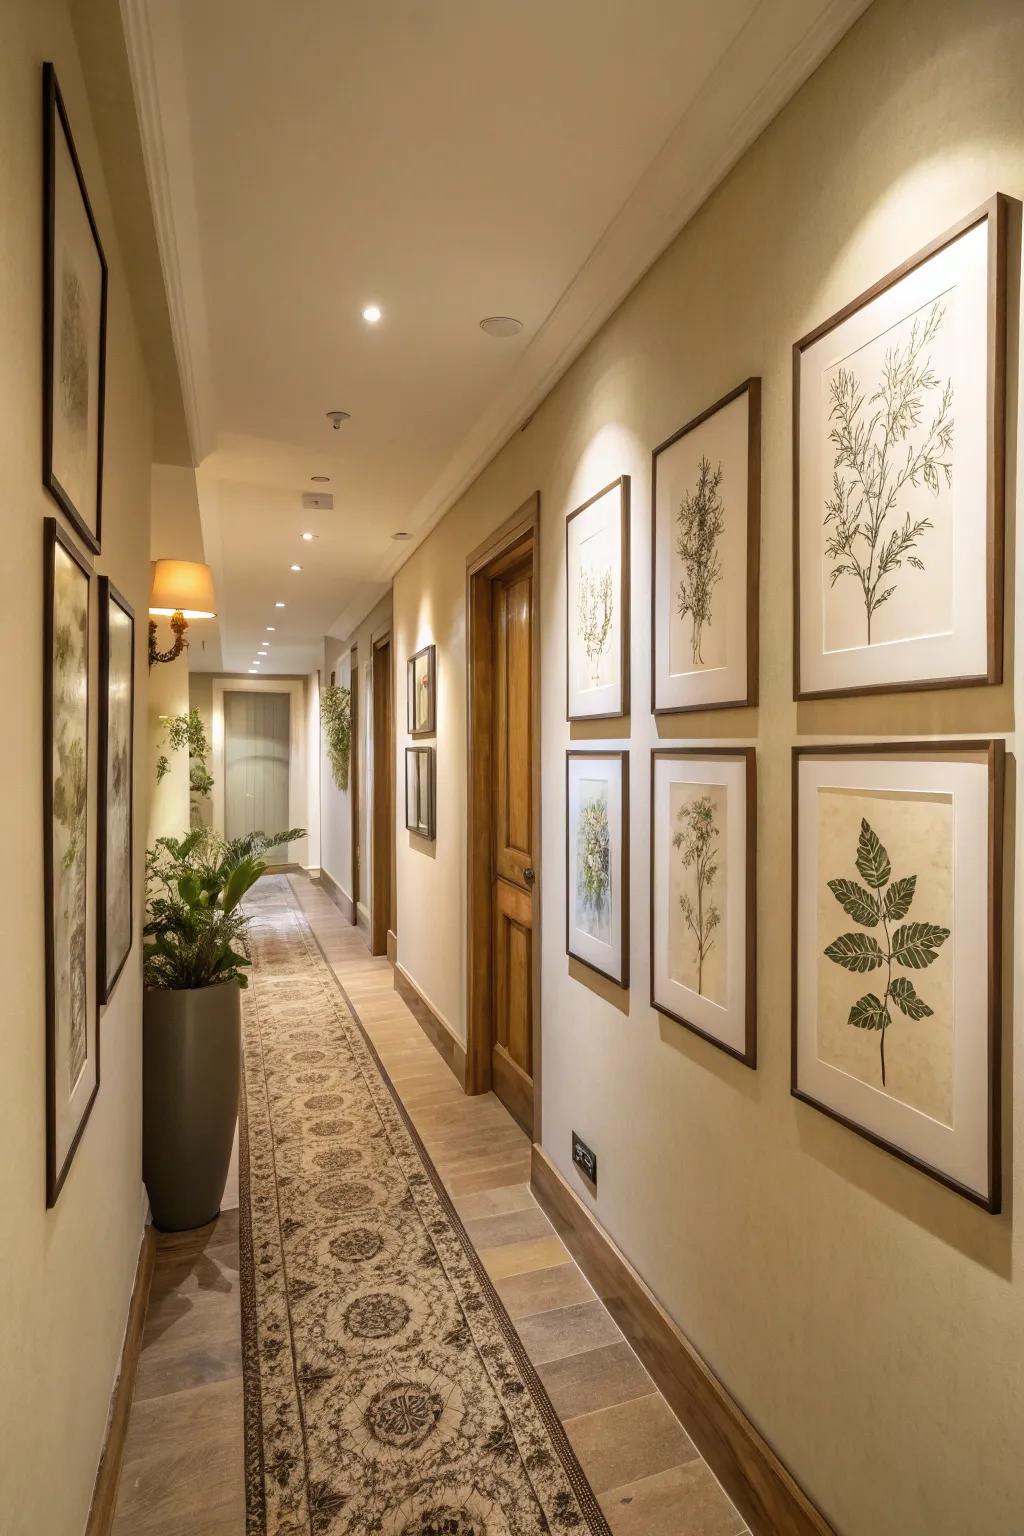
907, 1001
855, 901
872, 859
917, 944
868, 1012
898, 898
856, 952
914, 945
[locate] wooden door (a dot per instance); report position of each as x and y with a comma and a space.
354, 784
513, 820
256, 751
382, 903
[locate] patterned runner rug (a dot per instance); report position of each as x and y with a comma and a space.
386, 1390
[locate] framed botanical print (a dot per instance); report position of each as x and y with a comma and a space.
704, 893
597, 861
421, 692
419, 791
72, 1037
898, 444
896, 951
116, 767
597, 605
706, 513
74, 328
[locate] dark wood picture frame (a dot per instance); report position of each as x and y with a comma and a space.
430, 728
623, 757
54, 114
752, 388
995, 749
623, 483
105, 984
996, 211
414, 823
54, 535
747, 755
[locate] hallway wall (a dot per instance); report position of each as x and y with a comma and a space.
335, 803
870, 1322
66, 1273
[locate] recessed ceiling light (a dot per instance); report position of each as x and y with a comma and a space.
401, 534
320, 479
279, 605
295, 567
501, 325
270, 629
308, 538
371, 314
252, 671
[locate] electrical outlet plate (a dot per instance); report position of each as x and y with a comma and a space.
584, 1159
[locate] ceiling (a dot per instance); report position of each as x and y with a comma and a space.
447, 160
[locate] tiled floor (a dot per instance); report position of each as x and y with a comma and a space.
183, 1459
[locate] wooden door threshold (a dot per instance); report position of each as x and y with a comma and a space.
763, 1489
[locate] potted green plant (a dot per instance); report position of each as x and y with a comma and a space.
194, 964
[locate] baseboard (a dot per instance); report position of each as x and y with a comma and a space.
447, 1045
392, 946
363, 921
311, 871
763, 1490
337, 895
108, 1475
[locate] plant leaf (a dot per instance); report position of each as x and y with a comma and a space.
898, 898
868, 1012
872, 859
907, 1001
917, 944
856, 952
855, 901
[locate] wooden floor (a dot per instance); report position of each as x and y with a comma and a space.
183, 1457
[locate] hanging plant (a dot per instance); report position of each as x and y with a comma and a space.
336, 721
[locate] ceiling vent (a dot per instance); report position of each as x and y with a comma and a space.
317, 501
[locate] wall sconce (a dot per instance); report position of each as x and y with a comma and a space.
181, 590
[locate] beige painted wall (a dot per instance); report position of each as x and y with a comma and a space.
869, 1321
336, 804
67, 1273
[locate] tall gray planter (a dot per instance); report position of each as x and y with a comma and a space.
191, 1043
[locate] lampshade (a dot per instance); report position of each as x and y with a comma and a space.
182, 586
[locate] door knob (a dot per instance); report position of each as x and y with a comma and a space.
529, 875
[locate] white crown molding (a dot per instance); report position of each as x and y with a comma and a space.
793, 36
152, 31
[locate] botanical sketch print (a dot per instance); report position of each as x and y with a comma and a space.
700, 523
70, 664
118, 789
697, 889
72, 384
885, 974
422, 697
887, 516
593, 913
595, 610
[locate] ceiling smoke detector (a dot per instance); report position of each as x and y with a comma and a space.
401, 535
337, 417
501, 326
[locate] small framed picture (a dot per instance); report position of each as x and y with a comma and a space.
896, 950
419, 791
704, 893
75, 328
72, 1036
116, 768
597, 605
706, 513
597, 861
899, 402
421, 691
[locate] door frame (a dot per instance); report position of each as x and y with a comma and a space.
521, 532
382, 792
354, 778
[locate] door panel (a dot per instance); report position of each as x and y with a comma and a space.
514, 833
255, 762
